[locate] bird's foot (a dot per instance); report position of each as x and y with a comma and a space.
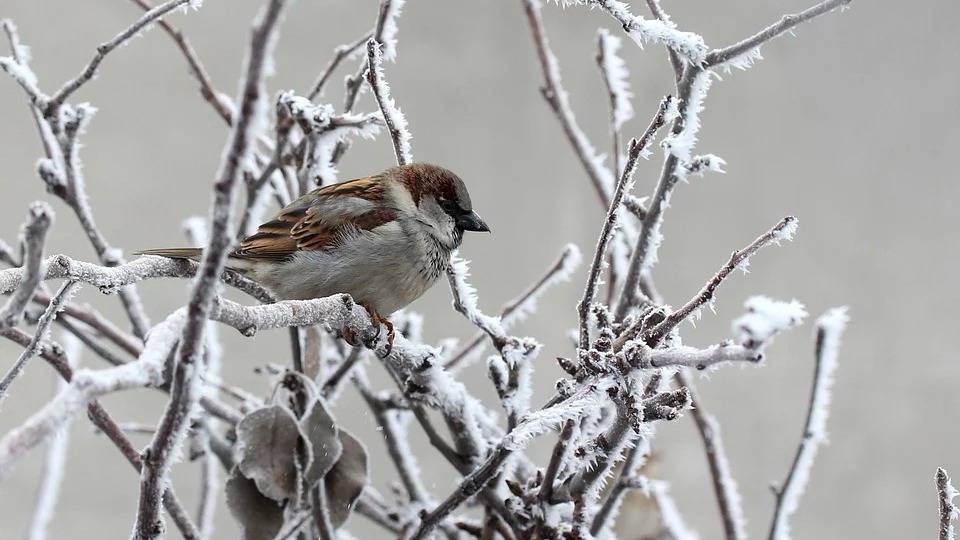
377, 320
351, 337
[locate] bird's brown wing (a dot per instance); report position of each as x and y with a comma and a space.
319, 220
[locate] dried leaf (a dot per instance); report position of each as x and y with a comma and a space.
259, 517
319, 431
266, 447
346, 479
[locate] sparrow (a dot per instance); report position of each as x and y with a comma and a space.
383, 239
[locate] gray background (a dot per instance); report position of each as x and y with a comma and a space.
848, 126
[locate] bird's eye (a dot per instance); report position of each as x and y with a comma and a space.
447, 205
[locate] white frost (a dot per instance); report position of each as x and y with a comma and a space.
765, 318
617, 78
389, 34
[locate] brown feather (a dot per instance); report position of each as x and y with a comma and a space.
299, 227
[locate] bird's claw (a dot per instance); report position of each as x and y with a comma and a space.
375, 319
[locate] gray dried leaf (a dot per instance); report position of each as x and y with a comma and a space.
346, 479
320, 434
259, 518
266, 448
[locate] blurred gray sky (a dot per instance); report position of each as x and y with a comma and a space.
850, 125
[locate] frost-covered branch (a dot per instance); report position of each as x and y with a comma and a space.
675, 61
112, 278
354, 83
518, 308
396, 122
689, 46
784, 230
33, 236
90, 70
340, 53
184, 391
746, 49
60, 125
67, 290
830, 327
638, 354
615, 77
724, 486
54, 463
55, 355
948, 511
600, 176
637, 148
220, 102
691, 90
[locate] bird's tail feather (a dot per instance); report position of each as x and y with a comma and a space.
174, 253
193, 254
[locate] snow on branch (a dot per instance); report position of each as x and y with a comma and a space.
185, 392
741, 54
830, 327
147, 20
33, 236
784, 230
387, 27
724, 486
764, 319
615, 78
624, 185
687, 45
948, 511
517, 309
556, 96
396, 122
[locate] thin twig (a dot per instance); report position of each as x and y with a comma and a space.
637, 147
340, 53
43, 327
220, 102
829, 329
783, 230
600, 176
724, 486
636, 457
334, 381
647, 242
354, 83
396, 123
54, 355
395, 437
514, 310
718, 57
675, 62
556, 459
90, 70
34, 234
469, 487
52, 477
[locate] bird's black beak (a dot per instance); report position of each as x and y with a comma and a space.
471, 222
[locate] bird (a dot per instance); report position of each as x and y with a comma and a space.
382, 239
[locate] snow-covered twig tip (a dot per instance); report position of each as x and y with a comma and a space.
948, 511
830, 326
33, 236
